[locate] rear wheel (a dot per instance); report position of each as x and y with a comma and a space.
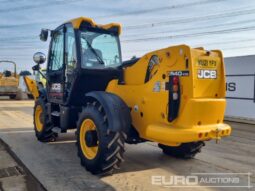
12, 96
19, 94
100, 149
30, 96
185, 150
42, 125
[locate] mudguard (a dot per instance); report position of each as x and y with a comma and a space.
117, 112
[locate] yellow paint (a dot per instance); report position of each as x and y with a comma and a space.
202, 104
9, 81
31, 86
38, 116
77, 22
89, 152
9, 85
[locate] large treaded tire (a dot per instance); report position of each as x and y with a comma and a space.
111, 144
30, 96
46, 135
12, 96
19, 95
185, 150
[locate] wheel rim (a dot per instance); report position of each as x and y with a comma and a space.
38, 118
89, 152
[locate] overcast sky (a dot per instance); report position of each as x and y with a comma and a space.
228, 25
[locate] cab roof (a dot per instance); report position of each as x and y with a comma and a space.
78, 21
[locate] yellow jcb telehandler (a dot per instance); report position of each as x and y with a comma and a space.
174, 96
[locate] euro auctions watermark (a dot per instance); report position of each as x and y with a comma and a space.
227, 180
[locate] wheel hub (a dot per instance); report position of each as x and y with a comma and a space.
91, 138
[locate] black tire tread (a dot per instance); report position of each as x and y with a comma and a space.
112, 143
47, 135
12, 96
185, 150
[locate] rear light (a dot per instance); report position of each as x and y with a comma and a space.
175, 88
175, 80
174, 97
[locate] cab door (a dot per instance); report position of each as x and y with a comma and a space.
70, 59
56, 69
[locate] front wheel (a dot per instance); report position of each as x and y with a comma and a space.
42, 124
100, 149
185, 150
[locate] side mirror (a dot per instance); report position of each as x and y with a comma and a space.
44, 34
39, 58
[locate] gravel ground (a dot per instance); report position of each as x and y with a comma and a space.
56, 165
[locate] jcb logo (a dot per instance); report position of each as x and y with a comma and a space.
56, 87
207, 74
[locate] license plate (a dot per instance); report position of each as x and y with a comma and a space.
206, 63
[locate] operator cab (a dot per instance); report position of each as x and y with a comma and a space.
81, 51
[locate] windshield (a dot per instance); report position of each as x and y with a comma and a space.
100, 50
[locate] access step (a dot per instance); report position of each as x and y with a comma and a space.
56, 130
55, 113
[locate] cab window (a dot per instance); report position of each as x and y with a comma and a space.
100, 50
57, 51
